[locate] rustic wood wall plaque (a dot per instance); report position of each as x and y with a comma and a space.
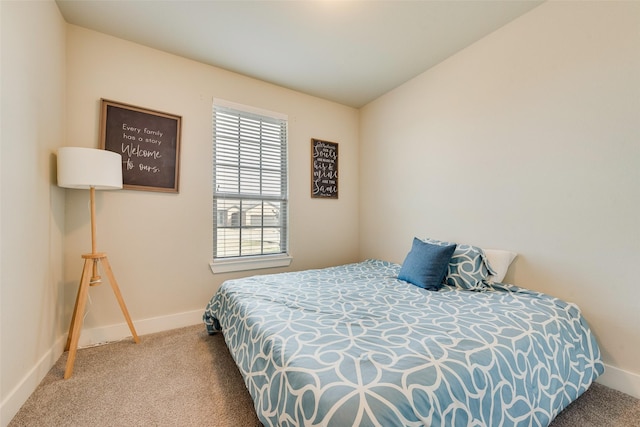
149, 142
324, 169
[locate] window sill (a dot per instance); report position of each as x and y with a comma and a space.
228, 265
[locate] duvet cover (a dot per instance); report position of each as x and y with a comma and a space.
353, 345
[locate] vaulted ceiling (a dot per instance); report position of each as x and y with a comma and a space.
347, 51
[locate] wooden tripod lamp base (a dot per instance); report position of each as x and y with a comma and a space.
90, 277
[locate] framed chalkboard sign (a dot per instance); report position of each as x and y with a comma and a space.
324, 169
149, 142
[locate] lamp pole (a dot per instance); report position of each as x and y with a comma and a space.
95, 277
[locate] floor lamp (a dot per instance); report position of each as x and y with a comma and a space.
93, 169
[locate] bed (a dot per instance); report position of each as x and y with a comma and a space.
354, 345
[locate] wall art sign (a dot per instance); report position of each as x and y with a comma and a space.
149, 142
324, 169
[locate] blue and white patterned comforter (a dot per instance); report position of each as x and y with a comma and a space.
352, 345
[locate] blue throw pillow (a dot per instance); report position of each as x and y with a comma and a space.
426, 265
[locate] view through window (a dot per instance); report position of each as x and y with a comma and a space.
249, 183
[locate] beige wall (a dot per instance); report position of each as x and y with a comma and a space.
528, 141
32, 207
159, 244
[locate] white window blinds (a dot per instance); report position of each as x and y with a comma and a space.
249, 183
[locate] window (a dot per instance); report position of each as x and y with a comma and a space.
249, 188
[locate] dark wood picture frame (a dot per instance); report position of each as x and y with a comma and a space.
324, 169
149, 142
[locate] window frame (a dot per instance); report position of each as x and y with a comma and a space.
256, 261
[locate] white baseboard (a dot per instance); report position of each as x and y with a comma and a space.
621, 380
88, 337
105, 334
21, 392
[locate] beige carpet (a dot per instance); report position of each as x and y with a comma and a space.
185, 377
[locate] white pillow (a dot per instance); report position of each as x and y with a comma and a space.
499, 260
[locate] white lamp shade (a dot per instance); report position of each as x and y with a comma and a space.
89, 167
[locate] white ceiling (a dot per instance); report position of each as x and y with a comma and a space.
348, 51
